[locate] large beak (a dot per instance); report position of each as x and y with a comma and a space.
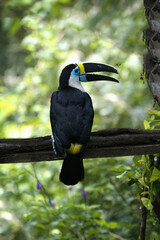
86, 68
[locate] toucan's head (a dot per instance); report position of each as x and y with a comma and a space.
73, 74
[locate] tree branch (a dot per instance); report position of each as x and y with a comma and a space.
143, 222
156, 201
106, 143
156, 205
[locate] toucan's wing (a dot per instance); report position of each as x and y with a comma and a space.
71, 116
87, 117
56, 117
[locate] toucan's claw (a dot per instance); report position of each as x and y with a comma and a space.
53, 145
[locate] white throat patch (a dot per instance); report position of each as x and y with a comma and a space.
74, 82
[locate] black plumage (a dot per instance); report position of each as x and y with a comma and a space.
71, 117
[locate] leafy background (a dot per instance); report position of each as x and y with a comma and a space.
37, 39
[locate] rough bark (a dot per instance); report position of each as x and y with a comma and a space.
156, 205
152, 41
152, 62
143, 222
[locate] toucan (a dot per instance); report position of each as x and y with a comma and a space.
71, 117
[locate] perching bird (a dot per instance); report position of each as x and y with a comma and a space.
71, 116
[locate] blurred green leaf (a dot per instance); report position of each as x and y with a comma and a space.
147, 203
155, 175
146, 125
112, 225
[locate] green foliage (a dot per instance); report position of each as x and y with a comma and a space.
153, 122
38, 38
145, 173
150, 170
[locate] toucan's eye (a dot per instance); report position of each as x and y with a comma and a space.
76, 71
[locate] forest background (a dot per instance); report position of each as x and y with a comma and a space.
37, 39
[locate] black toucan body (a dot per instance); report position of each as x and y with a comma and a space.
71, 116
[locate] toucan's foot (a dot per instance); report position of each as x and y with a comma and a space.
53, 145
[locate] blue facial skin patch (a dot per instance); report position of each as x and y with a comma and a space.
75, 72
83, 78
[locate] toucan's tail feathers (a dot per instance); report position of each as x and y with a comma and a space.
72, 170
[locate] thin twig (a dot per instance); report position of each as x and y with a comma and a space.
116, 236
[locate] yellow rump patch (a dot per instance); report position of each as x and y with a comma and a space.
81, 67
75, 148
